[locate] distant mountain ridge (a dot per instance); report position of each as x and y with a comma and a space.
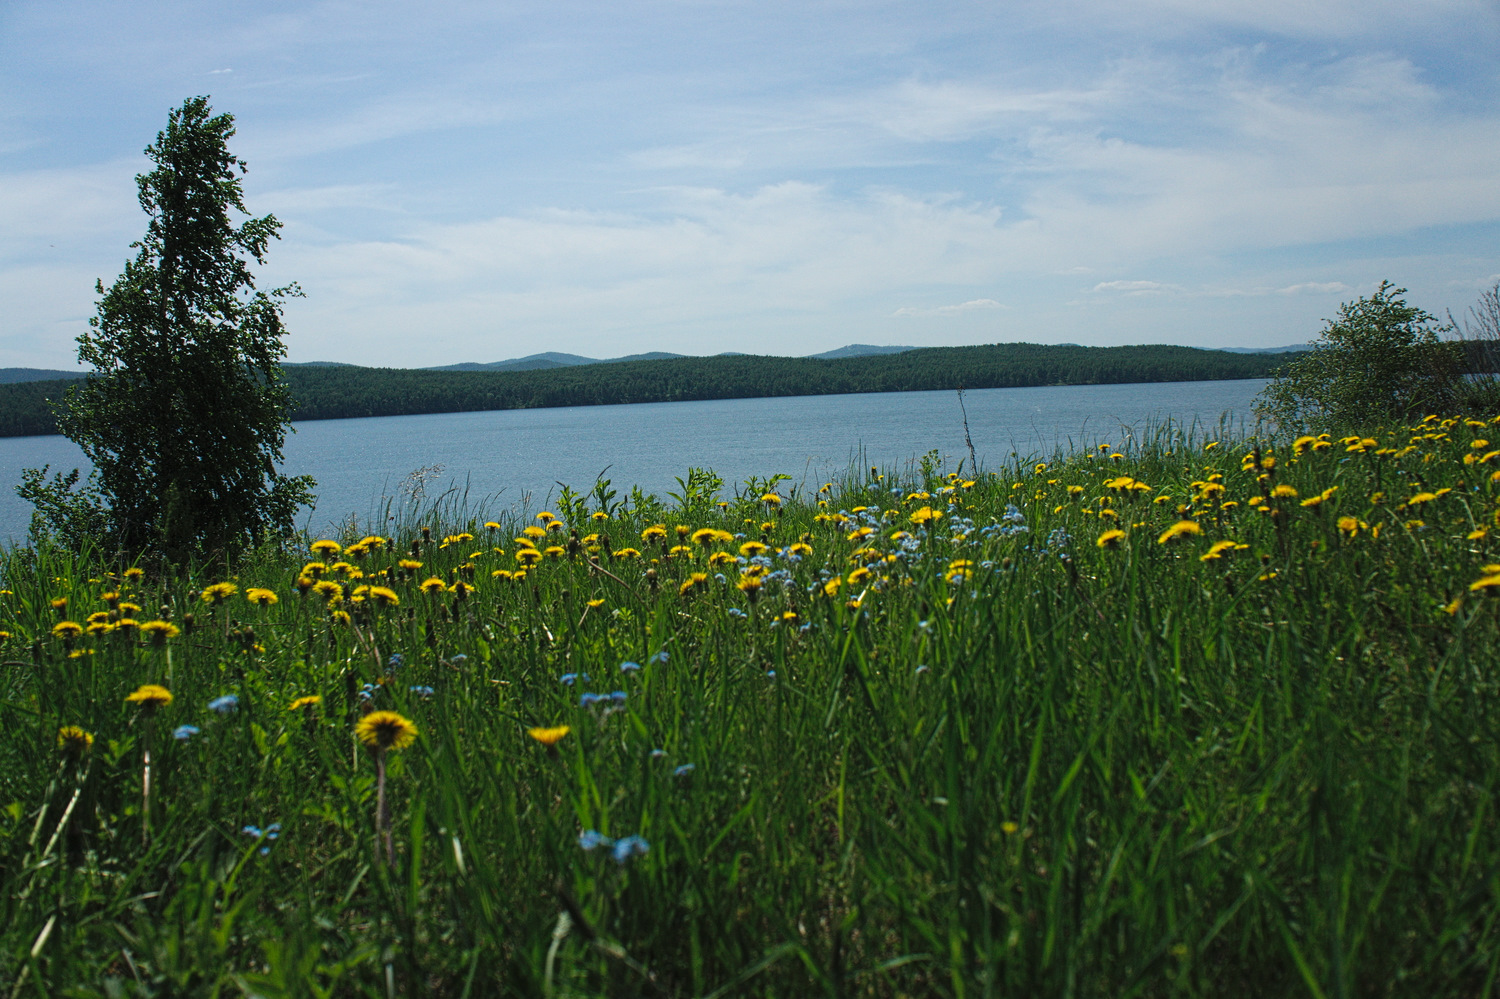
330, 391
12, 376
554, 359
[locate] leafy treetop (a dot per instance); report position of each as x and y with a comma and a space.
185, 413
1380, 360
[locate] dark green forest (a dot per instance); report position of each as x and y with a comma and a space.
343, 392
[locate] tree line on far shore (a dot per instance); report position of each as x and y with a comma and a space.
343, 392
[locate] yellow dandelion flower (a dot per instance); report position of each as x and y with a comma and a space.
695, 580
596, 603
654, 532
74, 741
385, 730
433, 584
135, 574
801, 549
527, 556
325, 548
150, 695
384, 596
1284, 492
310, 701
549, 737
261, 596
1110, 538
160, 631
1485, 583
926, 515
1216, 550
718, 559
1181, 529
501, 574
329, 590
771, 500
67, 630
627, 553
218, 593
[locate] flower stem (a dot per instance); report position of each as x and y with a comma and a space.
382, 814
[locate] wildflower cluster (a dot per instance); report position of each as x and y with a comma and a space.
773, 701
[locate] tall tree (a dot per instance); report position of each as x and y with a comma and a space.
185, 413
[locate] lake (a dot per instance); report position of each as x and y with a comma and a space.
514, 459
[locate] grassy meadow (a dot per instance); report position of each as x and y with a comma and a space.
1168, 717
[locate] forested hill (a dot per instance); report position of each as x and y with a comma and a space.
331, 393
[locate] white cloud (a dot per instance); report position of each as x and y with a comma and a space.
1315, 288
947, 110
1136, 287
58, 214
974, 305
1483, 284
1340, 19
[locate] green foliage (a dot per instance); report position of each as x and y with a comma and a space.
186, 411
71, 515
1380, 360
699, 491
982, 756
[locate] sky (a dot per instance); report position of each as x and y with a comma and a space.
480, 179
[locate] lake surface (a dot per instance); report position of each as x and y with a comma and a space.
514, 459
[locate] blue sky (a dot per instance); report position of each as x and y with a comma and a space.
484, 180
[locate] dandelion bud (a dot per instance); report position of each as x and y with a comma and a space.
651, 579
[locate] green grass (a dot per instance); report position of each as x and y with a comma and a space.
1078, 771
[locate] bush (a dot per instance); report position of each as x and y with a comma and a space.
1380, 360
